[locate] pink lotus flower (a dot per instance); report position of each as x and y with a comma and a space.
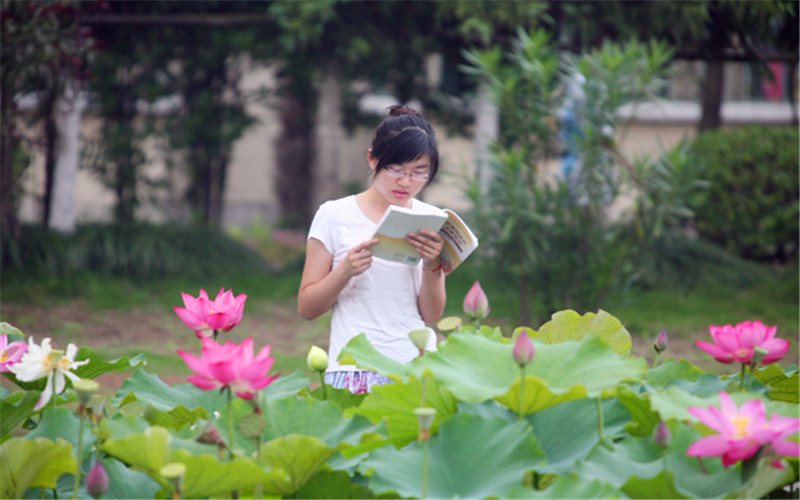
476, 304
97, 480
737, 343
231, 366
206, 316
10, 353
743, 431
523, 349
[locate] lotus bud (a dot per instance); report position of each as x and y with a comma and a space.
476, 304
84, 388
662, 436
97, 480
425, 418
317, 359
449, 324
660, 345
523, 349
210, 435
420, 339
758, 354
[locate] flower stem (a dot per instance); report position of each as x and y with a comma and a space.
322, 384
741, 376
521, 393
424, 469
599, 419
230, 422
78, 458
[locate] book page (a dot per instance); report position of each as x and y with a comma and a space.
393, 228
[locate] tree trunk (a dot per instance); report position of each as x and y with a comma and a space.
69, 110
9, 224
487, 125
294, 153
712, 95
328, 137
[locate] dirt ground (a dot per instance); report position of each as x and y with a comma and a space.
113, 334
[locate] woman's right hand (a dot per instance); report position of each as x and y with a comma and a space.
358, 258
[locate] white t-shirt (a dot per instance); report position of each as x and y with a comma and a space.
380, 302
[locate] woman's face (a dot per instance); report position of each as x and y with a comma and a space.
395, 183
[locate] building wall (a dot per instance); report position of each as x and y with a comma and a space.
250, 196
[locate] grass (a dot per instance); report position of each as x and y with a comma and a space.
126, 314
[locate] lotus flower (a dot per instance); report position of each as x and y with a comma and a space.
97, 480
523, 349
660, 345
743, 431
317, 359
41, 361
476, 304
231, 366
10, 353
737, 343
207, 317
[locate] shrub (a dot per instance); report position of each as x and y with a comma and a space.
137, 251
751, 207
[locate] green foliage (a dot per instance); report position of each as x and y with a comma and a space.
139, 252
557, 245
595, 443
752, 206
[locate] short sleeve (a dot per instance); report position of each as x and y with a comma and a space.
321, 227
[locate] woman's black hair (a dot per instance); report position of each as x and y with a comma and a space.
402, 137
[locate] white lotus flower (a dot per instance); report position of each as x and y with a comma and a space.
43, 361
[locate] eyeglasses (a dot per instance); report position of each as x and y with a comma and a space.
415, 176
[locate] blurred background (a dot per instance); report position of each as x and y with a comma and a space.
635, 157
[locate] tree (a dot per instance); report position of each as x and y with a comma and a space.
552, 237
42, 47
713, 31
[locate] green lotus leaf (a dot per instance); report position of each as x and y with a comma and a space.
673, 403
124, 482
538, 395
570, 487
563, 445
332, 484
32, 463
669, 371
97, 366
780, 386
172, 407
14, 333
284, 387
207, 477
299, 457
396, 403
120, 425
147, 452
643, 419
640, 469
15, 409
476, 369
459, 466
569, 325
60, 423
359, 351
343, 398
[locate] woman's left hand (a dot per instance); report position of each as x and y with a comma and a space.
429, 244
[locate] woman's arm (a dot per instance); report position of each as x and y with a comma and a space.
432, 295
320, 285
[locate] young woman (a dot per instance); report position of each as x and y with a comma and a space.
382, 299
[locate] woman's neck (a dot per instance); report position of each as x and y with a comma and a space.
372, 203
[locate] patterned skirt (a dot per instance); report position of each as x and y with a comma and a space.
357, 382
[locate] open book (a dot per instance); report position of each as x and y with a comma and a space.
397, 222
